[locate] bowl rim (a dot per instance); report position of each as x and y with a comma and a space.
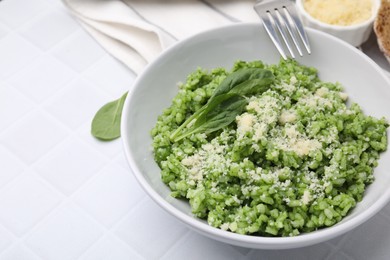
304, 239
364, 24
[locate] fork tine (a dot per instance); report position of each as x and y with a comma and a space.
268, 23
292, 33
281, 25
294, 20
285, 24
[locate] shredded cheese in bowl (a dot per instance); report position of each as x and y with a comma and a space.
339, 12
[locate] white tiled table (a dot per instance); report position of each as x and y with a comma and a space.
64, 195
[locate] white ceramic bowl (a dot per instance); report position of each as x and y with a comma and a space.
154, 89
353, 34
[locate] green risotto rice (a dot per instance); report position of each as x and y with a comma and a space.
294, 160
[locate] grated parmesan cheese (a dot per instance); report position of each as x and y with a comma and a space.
297, 142
306, 197
245, 122
343, 96
339, 12
322, 92
287, 117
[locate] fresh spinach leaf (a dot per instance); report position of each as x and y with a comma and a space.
106, 124
222, 112
235, 79
187, 122
252, 86
218, 113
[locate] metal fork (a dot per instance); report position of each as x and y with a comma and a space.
281, 20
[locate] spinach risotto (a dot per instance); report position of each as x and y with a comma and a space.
267, 150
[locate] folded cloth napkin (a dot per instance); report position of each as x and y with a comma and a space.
137, 31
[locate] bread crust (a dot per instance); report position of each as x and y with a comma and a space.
382, 28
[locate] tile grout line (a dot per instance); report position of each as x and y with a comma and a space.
99, 172
110, 230
127, 214
79, 31
39, 103
18, 120
48, 99
23, 237
31, 251
96, 86
47, 216
20, 244
6, 26
16, 31
334, 254
13, 238
177, 243
24, 168
39, 53
64, 199
39, 13
36, 107
20, 29
338, 247
86, 78
45, 154
20, 240
72, 204
104, 236
384, 215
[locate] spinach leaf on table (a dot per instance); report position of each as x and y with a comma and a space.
106, 124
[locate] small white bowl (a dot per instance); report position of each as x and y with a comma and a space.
353, 34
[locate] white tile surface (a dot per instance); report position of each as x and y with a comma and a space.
12, 164
70, 165
42, 78
15, 52
340, 256
33, 136
386, 211
110, 247
78, 51
5, 239
19, 252
3, 31
320, 251
66, 234
147, 226
65, 195
374, 246
14, 105
13, 15
34, 199
120, 79
44, 31
110, 195
76, 104
108, 149
205, 247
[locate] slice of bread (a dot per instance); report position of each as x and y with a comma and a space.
382, 28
